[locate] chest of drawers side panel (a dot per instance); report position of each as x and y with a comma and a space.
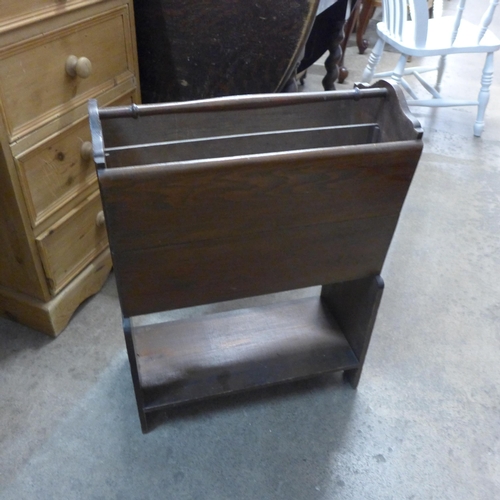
20, 268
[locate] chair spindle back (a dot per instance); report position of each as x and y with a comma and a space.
396, 15
487, 18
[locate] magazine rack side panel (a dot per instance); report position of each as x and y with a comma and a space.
187, 236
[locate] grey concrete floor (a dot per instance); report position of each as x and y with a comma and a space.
424, 423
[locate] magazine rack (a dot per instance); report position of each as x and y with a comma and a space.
221, 199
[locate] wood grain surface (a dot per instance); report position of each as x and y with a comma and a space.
202, 233
225, 352
234, 199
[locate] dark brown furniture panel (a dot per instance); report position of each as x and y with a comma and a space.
269, 207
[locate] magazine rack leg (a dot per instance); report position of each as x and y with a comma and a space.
127, 330
354, 305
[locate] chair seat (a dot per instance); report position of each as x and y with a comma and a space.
438, 39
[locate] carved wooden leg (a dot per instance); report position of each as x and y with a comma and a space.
366, 14
349, 26
326, 35
334, 57
354, 305
373, 61
484, 94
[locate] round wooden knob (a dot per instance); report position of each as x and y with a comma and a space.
78, 66
99, 220
86, 151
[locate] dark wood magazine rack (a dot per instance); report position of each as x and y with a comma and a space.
214, 200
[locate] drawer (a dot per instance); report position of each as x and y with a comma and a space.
53, 73
72, 243
16, 10
57, 170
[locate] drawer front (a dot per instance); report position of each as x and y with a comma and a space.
58, 169
71, 244
34, 9
51, 74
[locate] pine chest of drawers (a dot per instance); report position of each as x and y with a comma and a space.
54, 56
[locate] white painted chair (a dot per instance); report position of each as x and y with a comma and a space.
418, 36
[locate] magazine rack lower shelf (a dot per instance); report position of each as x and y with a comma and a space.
192, 359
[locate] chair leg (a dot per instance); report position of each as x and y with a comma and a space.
367, 11
397, 74
373, 60
440, 72
484, 94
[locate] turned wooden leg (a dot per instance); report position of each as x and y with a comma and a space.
399, 70
484, 94
440, 72
349, 26
343, 73
373, 61
334, 57
366, 14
